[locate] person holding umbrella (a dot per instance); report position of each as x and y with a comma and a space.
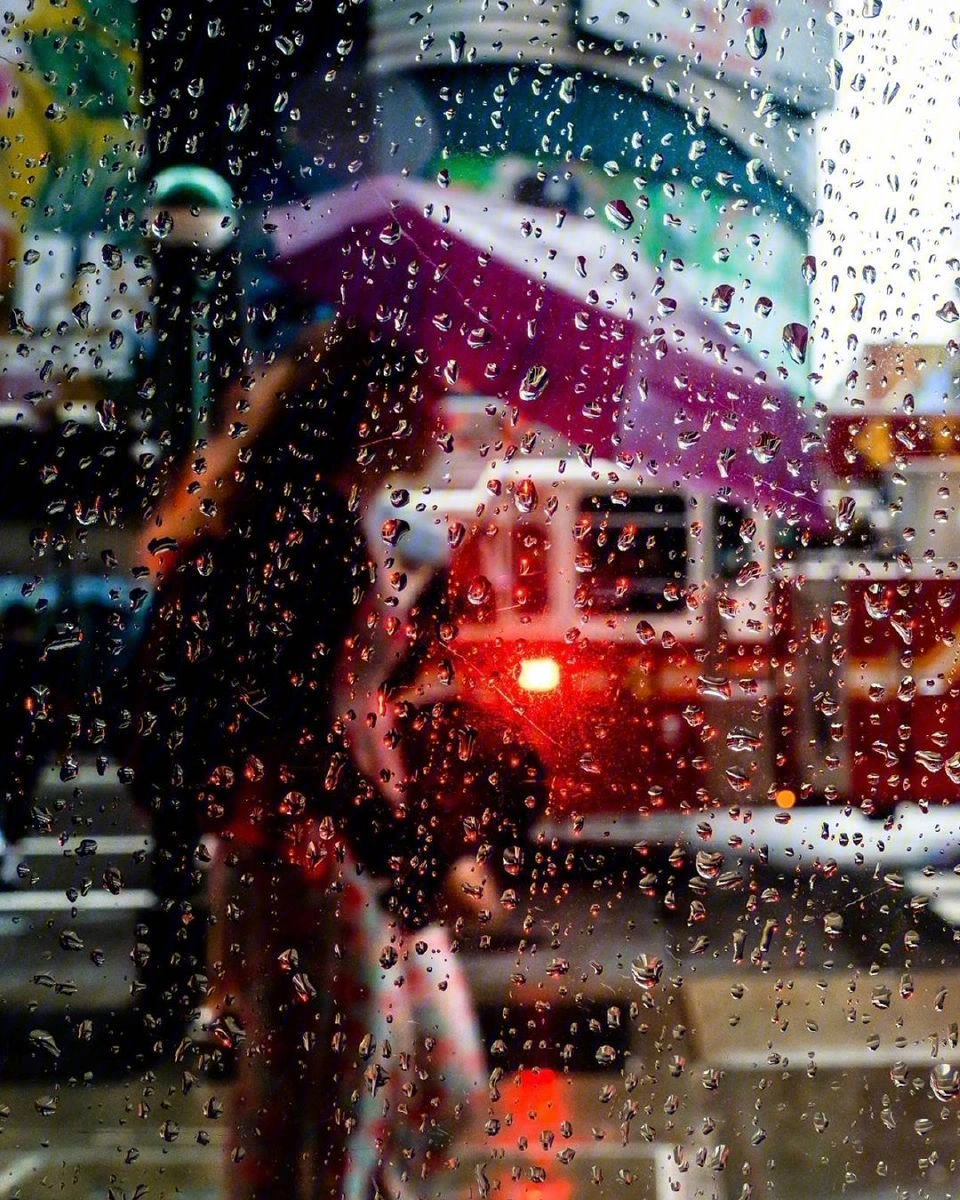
261, 562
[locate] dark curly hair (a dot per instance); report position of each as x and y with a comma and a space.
357, 405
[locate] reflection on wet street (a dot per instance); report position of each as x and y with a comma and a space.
752, 1033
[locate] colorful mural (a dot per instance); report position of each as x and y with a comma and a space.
72, 158
69, 86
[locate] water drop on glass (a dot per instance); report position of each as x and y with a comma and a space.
795, 336
646, 971
756, 42
480, 591
162, 225
722, 297
526, 497
533, 383
619, 214
945, 1081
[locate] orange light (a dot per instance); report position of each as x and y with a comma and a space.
785, 798
539, 674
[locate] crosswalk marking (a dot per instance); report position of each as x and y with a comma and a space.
56, 901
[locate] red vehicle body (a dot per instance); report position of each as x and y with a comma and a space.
666, 654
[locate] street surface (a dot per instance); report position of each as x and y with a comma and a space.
744, 1030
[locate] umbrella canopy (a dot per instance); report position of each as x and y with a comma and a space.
561, 319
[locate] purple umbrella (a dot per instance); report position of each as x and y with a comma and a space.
560, 319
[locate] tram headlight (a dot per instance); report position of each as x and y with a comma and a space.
539, 674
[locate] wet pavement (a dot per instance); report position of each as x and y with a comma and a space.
756, 1032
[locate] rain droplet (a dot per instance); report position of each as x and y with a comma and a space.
846, 508
568, 90
795, 336
877, 605
748, 573
756, 42
646, 971
948, 312
722, 297
534, 383
945, 1081
742, 740
162, 225
709, 863
737, 779
880, 997
513, 860
480, 591
393, 530
170, 1131
930, 760
719, 688
619, 214
767, 448
458, 41
525, 496
43, 1040
237, 117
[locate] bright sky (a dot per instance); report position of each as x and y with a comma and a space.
889, 178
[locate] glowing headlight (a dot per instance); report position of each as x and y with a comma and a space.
539, 674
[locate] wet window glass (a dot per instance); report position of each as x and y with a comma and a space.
479, 599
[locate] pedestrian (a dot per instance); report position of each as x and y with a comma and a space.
262, 563
462, 795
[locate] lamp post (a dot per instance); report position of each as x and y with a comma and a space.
192, 223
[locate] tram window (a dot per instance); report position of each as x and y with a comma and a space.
530, 549
631, 554
732, 539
